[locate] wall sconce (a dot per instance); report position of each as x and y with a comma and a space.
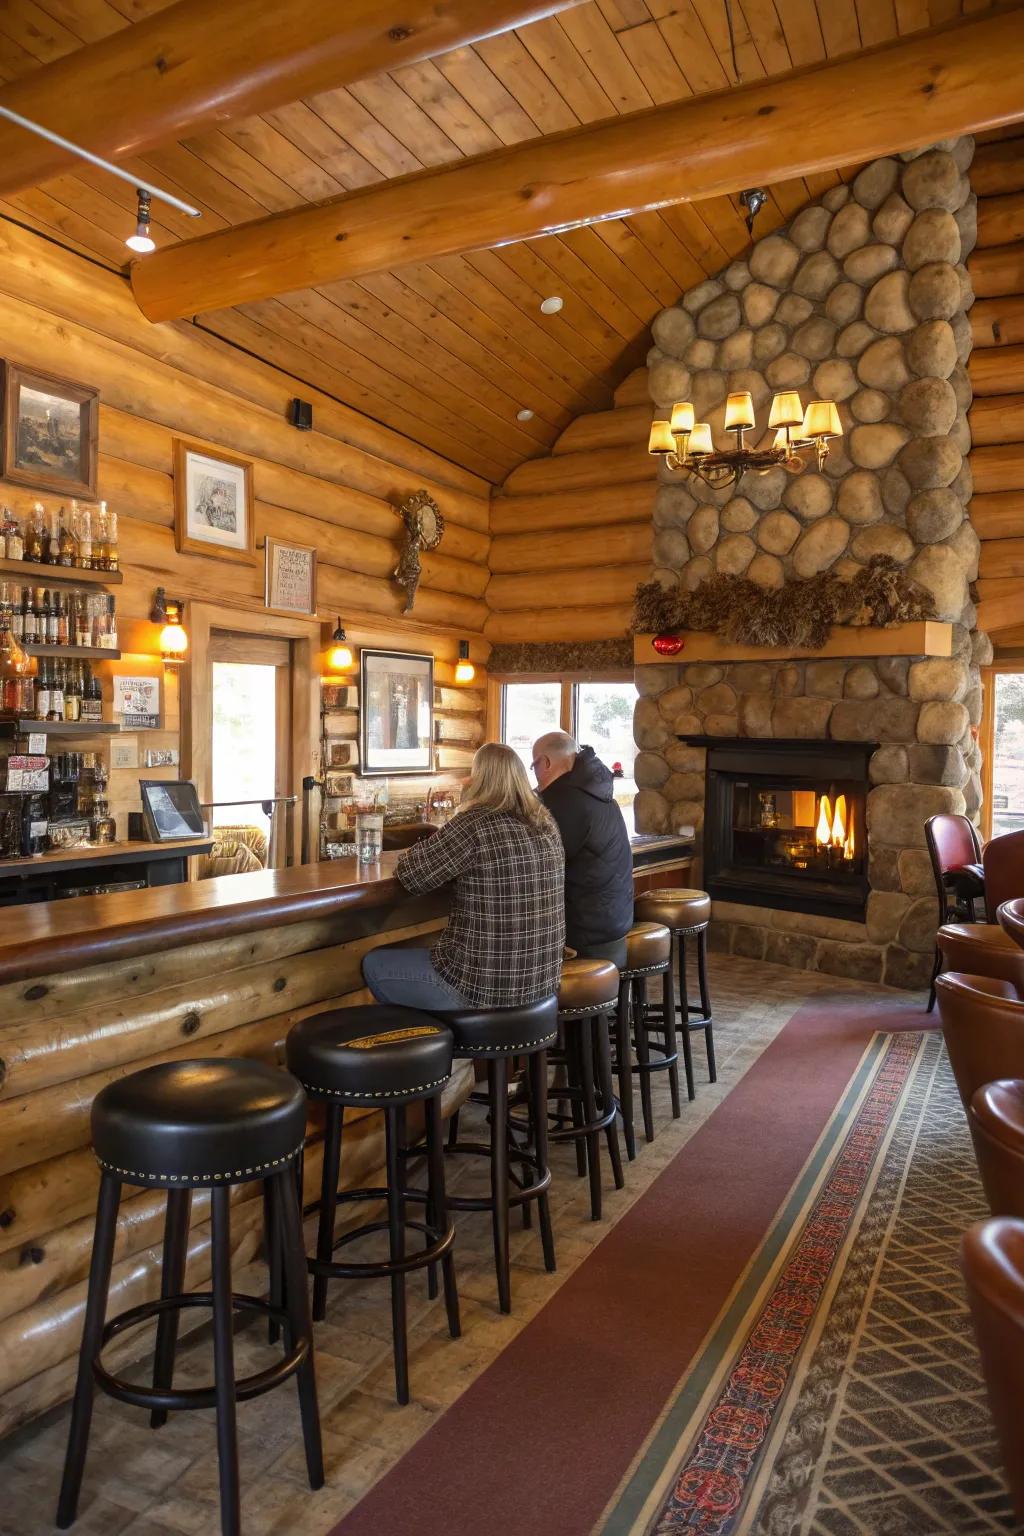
169, 611
340, 658
464, 668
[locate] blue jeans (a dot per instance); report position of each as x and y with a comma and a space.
406, 977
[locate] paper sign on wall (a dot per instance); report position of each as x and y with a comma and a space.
137, 701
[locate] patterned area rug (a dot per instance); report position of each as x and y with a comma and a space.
839, 1393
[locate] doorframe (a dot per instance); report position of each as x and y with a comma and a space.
197, 698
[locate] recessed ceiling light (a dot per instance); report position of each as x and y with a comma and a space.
551, 306
524, 415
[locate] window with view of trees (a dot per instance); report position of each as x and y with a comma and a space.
597, 714
1008, 753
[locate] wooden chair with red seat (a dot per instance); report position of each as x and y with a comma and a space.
983, 1027
992, 1260
955, 852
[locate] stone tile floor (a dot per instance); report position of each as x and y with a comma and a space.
140, 1483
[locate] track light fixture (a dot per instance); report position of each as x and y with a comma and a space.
141, 241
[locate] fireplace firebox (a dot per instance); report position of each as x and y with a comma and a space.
784, 823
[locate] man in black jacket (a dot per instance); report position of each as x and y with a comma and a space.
578, 791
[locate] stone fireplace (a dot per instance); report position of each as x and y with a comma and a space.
862, 299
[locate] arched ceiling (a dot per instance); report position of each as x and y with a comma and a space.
450, 352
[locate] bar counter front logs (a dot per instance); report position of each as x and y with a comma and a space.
98, 986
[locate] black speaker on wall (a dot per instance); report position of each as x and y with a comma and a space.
300, 414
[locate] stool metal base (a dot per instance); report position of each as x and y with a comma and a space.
585, 1053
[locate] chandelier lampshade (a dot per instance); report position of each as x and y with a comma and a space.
799, 436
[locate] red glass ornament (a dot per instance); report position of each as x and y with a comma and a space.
668, 645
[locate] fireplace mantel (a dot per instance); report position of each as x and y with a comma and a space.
922, 637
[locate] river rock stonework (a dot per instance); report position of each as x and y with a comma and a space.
862, 299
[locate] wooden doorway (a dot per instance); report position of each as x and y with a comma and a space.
252, 722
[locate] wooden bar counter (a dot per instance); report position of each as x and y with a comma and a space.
97, 987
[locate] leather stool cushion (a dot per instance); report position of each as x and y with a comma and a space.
587, 985
504, 1031
376, 1054
648, 945
981, 949
996, 1119
675, 906
199, 1122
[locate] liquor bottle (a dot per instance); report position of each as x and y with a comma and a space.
14, 542
85, 538
101, 540
14, 664
63, 630
109, 624
81, 627
18, 615
28, 617
51, 543
112, 550
34, 825
67, 544
43, 692
92, 697
73, 693
34, 534
50, 616
56, 709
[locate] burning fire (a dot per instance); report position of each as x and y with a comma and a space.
832, 829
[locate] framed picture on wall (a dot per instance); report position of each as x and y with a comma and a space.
50, 432
396, 717
290, 577
212, 503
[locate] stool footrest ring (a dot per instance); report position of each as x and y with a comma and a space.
379, 1269
173, 1399
519, 1193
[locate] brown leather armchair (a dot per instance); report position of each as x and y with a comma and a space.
1003, 863
983, 1027
1011, 919
981, 949
996, 1118
992, 1260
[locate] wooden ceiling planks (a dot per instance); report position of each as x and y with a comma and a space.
450, 352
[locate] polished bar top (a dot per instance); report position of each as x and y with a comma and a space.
46, 937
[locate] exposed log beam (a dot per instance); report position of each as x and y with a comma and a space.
196, 64
911, 93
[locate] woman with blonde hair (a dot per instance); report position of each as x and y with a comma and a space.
502, 857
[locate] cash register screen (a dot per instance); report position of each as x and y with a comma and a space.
171, 810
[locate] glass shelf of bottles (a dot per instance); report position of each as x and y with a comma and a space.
47, 621
59, 541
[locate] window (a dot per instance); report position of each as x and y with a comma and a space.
1008, 753
598, 714
244, 741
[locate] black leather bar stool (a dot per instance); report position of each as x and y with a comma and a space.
498, 1036
686, 913
648, 953
387, 1058
181, 1126
587, 1002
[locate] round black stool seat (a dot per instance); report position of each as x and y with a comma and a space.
370, 1056
504, 1031
195, 1123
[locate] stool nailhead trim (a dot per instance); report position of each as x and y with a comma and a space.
522, 1045
590, 1010
645, 970
374, 1093
135, 1176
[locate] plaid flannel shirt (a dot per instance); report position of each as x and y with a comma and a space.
503, 944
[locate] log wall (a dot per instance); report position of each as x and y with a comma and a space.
572, 532
336, 488
996, 369
67, 1035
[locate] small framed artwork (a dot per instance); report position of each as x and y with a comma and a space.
212, 503
396, 722
50, 432
340, 785
290, 577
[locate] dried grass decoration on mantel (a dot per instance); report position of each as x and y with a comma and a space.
799, 613
424, 529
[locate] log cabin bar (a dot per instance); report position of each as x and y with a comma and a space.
512, 767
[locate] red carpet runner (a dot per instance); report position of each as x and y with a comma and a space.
540, 1442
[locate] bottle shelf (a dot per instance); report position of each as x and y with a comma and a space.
59, 575
86, 652
18, 726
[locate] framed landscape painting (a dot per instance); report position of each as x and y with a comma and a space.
212, 503
50, 432
396, 713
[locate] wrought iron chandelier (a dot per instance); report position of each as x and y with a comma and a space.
800, 436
